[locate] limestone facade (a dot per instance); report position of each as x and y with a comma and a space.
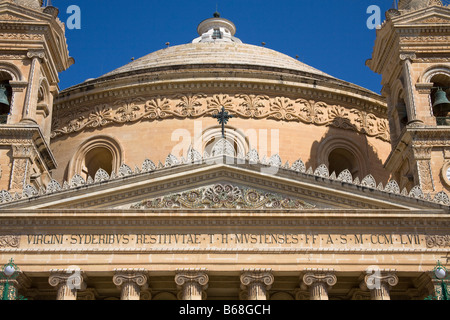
124, 187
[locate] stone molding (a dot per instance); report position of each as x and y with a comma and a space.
240, 105
275, 162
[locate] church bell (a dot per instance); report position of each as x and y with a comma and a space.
441, 105
4, 95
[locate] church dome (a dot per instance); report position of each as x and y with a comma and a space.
218, 46
215, 53
138, 111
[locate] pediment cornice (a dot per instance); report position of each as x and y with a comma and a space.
318, 188
427, 16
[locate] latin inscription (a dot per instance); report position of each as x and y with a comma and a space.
278, 239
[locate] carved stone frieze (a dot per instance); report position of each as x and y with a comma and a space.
224, 196
438, 241
9, 241
241, 105
425, 175
23, 151
19, 174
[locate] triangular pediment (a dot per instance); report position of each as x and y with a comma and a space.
222, 183
431, 15
13, 12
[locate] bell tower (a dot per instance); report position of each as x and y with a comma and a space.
33, 50
412, 53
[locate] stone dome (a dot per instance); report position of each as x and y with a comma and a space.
215, 53
134, 112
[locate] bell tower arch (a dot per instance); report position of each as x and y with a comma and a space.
412, 54
33, 51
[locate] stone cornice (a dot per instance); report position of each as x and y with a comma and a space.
95, 93
138, 219
41, 27
17, 134
316, 186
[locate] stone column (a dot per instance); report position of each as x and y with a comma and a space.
319, 281
409, 90
29, 109
130, 282
256, 283
192, 284
67, 282
379, 283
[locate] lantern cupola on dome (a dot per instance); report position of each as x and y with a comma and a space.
216, 29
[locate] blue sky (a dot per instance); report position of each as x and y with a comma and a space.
330, 35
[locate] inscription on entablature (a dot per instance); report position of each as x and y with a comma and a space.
238, 240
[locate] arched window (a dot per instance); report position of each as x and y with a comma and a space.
439, 78
339, 153
101, 152
219, 145
439, 99
340, 159
235, 142
97, 158
5, 96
